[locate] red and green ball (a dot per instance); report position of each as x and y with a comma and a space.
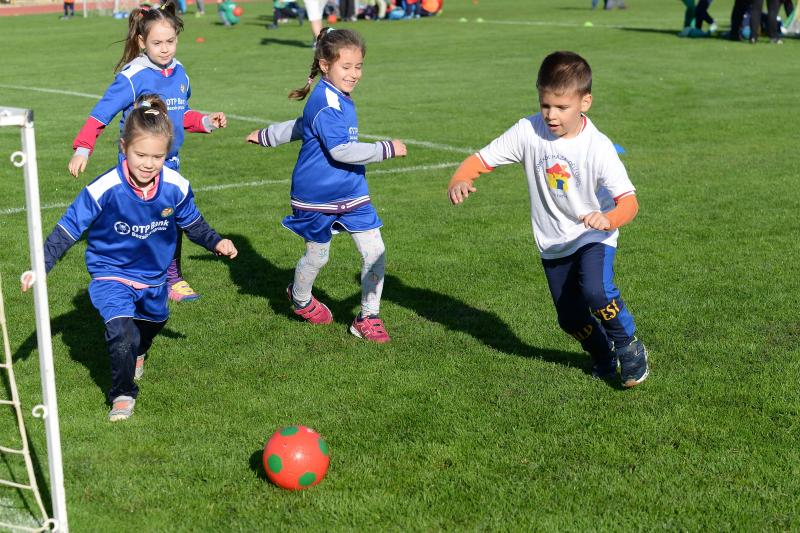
296, 458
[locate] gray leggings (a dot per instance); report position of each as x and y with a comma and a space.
373, 260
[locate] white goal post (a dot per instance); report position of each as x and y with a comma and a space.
26, 158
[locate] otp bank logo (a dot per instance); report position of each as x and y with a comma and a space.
558, 177
122, 228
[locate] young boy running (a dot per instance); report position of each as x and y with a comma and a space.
580, 194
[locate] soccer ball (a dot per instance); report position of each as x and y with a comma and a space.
238, 11
296, 458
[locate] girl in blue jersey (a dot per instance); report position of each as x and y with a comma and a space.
329, 190
132, 215
148, 65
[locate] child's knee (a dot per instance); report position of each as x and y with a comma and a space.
374, 254
317, 256
122, 335
371, 247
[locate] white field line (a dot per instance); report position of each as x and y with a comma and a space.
549, 23
249, 184
256, 120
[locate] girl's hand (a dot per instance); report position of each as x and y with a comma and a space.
77, 165
218, 119
460, 191
253, 137
26, 280
399, 148
226, 247
596, 220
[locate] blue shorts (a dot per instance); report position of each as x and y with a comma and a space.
115, 299
320, 227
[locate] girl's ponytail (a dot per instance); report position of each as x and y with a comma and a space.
302, 92
131, 50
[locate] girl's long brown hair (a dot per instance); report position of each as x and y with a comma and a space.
139, 23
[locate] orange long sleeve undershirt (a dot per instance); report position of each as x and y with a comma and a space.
469, 170
626, 209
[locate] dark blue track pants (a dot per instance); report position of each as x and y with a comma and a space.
588, 304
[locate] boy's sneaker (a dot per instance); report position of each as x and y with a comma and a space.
314, 311
605, 367
180, 291
369, 328
633, 363
139, 371
121, 408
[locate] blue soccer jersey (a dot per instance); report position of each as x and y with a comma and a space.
142, 76
129, 237
319, 182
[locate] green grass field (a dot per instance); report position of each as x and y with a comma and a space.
480, 414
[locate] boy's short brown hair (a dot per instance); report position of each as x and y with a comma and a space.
562, 72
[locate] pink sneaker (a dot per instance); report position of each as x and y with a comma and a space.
314, 311
180, 291
369, 328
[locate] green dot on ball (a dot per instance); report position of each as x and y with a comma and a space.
274, 463
291, 430
323, 447
307, 479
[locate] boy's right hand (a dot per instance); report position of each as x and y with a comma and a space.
26, 280
253, 137
399, 148
460, 191
77, 165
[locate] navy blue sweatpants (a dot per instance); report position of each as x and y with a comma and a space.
588, 304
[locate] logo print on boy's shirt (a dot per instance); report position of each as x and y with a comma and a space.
560, 173
167, 212
558, 177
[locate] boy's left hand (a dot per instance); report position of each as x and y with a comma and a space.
218, 119
226, 247
460, 191
596, 220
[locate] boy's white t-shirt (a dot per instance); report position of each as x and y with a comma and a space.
567, 178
